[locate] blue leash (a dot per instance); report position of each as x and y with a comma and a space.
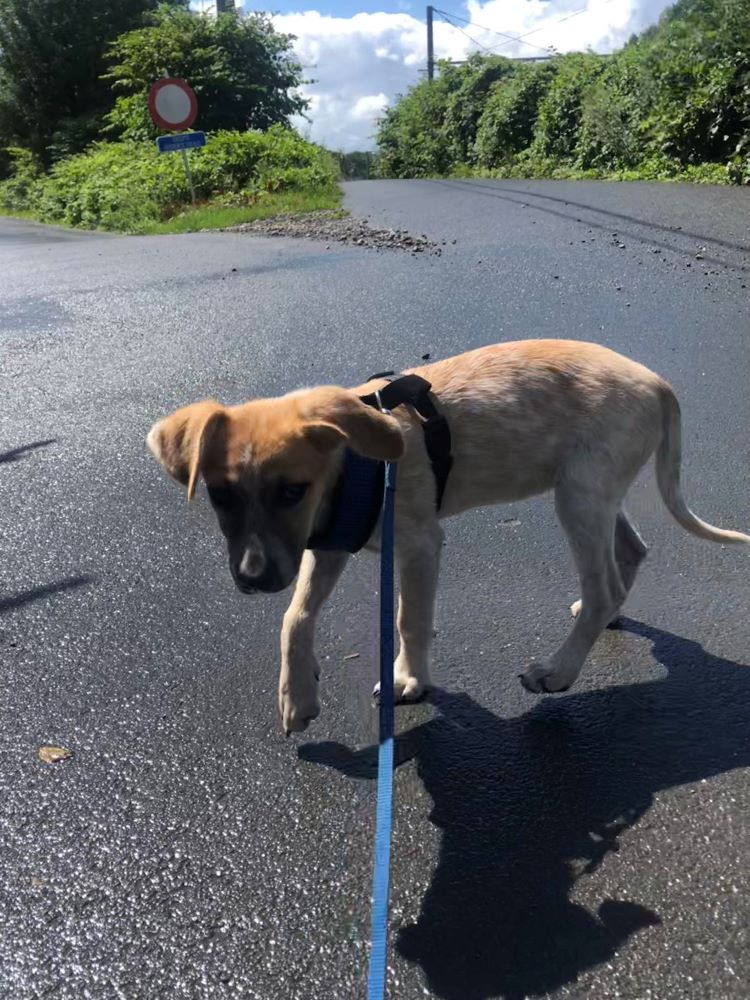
384, 813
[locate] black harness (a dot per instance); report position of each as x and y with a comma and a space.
358, 494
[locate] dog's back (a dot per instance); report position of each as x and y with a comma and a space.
517, 412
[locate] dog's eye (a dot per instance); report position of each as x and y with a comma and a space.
221, 497
291, 493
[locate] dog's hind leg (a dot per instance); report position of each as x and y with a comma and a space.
630, 551
588, 516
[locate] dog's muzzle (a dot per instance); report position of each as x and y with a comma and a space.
269, 582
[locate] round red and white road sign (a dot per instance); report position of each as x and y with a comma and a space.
172, 104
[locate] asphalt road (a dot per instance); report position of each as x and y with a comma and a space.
591, 845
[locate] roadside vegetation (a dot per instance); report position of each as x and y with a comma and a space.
674, 103
128, 186
84, 154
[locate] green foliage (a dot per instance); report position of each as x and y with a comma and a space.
465, 105
433, 128
612, 133
674, 102
20, 190
229, 210
52, 97
410, 137
127, 186
509, 120
561, 110
241, 69
701, 59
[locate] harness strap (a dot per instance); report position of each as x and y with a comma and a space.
415, 390
355, 505
357, 497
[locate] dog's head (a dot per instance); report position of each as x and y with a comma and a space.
268, 466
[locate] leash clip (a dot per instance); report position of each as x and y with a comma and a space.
379, 401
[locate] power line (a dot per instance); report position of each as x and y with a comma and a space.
551, 24
494, 31
458, 28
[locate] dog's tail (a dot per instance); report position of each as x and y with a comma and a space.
668, 457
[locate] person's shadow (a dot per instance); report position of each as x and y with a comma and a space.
527, 805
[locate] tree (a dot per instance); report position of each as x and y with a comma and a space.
52, 97
700, 59
242, 70
508, 121
478, 77
674, 100
410, 136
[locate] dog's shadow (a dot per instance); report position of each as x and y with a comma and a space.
529, 805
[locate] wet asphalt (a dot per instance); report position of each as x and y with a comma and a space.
588, 845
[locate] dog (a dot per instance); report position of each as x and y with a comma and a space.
524, 417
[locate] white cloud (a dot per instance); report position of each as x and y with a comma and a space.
366, 107
360, 64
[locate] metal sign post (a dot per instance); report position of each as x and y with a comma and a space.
186, 164
181, 144
174, 106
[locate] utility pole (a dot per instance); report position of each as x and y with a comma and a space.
430, 48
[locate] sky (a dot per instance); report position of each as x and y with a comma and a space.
361, 54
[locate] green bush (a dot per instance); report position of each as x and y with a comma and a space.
673, 103
561, 110
700, 59
509, 119
738, 168
124, 186
24, 177
412, 137
612, 133
477, 79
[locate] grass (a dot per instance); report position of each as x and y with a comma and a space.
10, 213
218, 216
704, 173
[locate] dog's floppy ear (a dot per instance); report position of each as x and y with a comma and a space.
332, 417
179, 441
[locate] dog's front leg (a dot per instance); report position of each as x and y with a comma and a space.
298, 680
418, 555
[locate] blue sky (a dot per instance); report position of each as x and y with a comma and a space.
362, 53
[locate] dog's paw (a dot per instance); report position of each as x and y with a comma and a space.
405, 689
298, 707
575, 610
543, 678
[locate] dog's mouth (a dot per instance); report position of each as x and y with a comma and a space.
269, 585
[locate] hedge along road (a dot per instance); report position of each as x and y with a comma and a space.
587, 845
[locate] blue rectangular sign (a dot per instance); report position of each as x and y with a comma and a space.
183, 140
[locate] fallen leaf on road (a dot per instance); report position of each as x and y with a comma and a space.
352, 656
51, 755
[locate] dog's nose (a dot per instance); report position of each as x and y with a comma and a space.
268, 582
253, 562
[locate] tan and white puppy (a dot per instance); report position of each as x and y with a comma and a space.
525, 417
